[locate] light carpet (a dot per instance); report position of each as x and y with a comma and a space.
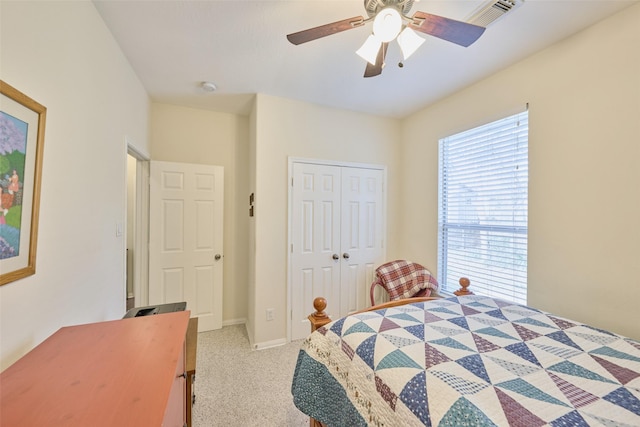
238, 386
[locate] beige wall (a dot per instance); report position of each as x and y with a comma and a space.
287, 128
251, 303
62, 55
584, 146
186, 135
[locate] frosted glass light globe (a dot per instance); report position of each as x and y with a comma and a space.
387, 24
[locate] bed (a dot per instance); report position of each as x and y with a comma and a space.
466, 361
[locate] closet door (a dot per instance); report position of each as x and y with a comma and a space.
315, 252
361, 238
337, 232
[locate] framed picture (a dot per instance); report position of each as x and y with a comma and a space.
22, 122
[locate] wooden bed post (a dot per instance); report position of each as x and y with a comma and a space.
464, 283
319, 318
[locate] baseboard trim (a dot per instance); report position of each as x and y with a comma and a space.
231, 322
270, 344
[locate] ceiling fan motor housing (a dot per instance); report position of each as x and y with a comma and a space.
374, 6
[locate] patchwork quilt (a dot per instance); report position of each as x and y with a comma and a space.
467, 361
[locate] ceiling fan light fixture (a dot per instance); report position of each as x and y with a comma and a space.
387, 24
409, 42
369, 50
388, 18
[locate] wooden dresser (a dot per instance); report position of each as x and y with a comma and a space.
190, 363
128, 372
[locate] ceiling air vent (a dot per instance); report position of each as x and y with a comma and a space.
489, 13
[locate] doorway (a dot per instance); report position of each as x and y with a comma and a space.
131, 224
136, 229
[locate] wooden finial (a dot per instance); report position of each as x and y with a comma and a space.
319, 318
464, 283
320, 304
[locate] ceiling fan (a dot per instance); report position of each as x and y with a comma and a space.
388, 18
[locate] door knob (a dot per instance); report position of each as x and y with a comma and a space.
336, 257
345, 255
217, 257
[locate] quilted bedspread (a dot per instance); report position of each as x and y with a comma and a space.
467, 361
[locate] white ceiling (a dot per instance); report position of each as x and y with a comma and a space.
241, 46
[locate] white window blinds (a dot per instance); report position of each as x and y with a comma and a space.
482, 211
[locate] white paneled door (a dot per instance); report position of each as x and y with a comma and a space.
361, 237
337, 229
185, 238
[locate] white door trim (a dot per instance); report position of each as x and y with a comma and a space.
141, 238
291, 161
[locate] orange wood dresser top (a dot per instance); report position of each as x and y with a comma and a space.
114, 373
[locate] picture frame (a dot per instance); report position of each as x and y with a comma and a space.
22, 125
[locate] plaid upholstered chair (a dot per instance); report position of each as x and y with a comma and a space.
403, 279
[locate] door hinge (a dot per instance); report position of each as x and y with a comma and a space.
292, 248
292, 182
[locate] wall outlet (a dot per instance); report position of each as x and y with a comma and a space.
269, 314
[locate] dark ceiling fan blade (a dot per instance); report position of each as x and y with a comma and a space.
458, 32
325, 30
374, 70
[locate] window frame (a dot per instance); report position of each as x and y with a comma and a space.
491, 163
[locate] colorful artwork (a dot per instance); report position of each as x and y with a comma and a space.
13, 144
22, 123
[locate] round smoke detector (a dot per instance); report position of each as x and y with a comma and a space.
208, 87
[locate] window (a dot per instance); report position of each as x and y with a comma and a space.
482, 210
